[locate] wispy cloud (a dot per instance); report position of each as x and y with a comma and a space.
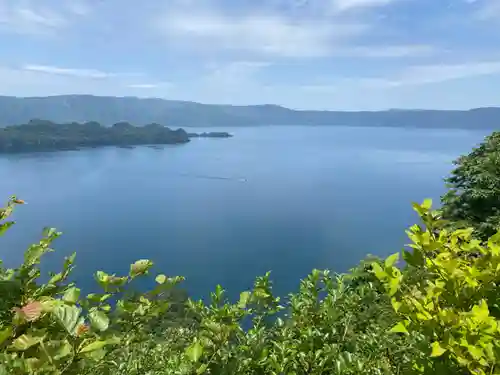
77, 7
487, 9
37, 17
389, 51
143, 85
344, 5
147, 86
235, 73
429, 74
267, 34
82, 73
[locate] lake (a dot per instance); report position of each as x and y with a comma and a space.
222, 211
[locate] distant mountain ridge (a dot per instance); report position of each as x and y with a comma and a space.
109, 110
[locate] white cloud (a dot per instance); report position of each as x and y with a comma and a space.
437, 73
40, 80
147, 86
143, 85
390, 51
234, 75
320, 89
344, 5
267, 34
82, 73
79, 8
37, 17
488, 10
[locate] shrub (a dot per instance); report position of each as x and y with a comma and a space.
447, 297
437, 314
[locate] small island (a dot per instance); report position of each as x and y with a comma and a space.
210, 135
42, 135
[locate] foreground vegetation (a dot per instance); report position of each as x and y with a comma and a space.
436, 313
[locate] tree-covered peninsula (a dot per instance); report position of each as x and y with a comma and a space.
42, 135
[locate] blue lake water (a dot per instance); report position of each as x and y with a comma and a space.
222, 211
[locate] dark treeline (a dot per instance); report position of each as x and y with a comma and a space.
41, 135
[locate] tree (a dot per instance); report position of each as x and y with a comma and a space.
474, 196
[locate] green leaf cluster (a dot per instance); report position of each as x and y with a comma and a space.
447, 297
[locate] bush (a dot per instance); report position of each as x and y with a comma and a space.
447, 297
438, 314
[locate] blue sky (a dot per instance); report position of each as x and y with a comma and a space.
308, 54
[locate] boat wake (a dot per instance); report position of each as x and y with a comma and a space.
208, 177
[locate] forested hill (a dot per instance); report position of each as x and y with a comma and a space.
42, 135
110, 110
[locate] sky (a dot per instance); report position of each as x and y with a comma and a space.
303, 54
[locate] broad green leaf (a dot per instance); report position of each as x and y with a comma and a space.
202, 369
476, 352
34, 253
106, 280
244, 298
101, 277
5, 226
25, 342
393, 285
378, 271
58, 349
96, 355
67, 316
391, 260
160, 279
56, 278
49, 232
194, 351
426, 204
437, 349
396, 305
399, 328
417, 207
96, 345
71, 295
94, 297
49, 304
140, 267
481, 311
68, 261
5, 334
99, 320
105, 297
414, 258
117, 281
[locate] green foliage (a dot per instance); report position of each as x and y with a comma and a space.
474, 196
436, 315
40, 135
447, 297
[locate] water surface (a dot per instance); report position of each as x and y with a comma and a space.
285, 199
